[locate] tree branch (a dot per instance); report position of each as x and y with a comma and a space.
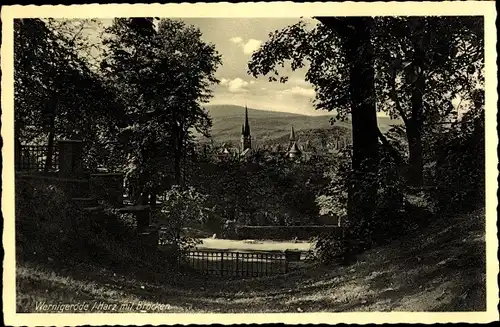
394, 153
340, 26
396, 101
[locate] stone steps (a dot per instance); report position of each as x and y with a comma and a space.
84, 202
88, 204
93, 209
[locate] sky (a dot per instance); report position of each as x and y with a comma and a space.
236, 40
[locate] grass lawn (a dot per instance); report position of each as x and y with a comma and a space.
438, 269
251, 245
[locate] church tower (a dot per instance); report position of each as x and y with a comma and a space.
293, 149
246, 138
292, 139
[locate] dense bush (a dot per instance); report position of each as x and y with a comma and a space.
455, 166
460, 167
181, 208
268, 189
49, 225
388, 221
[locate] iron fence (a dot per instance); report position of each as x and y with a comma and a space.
244, 264
33, 157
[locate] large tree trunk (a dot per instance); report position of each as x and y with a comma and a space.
356, 32
416, 166
50, 145
363, 190
179, 155
414, 131
414, 126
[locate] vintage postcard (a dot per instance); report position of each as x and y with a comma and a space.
249, 163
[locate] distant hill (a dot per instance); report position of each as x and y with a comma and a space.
267, 126
318, 138
228, 110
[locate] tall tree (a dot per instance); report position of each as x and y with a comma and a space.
423, 64
163, 74
191, 65
55, 92
341, 57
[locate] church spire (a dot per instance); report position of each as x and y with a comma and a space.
294, 151
292, 135
246, 139
246, 128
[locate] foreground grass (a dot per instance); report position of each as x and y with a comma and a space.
440, 269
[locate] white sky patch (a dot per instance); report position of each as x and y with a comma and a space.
299, 82
237, 85
251, 46
298, 90
248, 47
236, 40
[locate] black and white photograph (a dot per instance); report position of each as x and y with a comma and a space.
162, 163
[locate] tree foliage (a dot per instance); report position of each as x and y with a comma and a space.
421, 65
55, 91
341, 68
424, 64
181, 208
164, 76
321, 48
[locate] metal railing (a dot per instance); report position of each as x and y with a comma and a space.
33, 157
244, 264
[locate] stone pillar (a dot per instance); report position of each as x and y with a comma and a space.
70, 158
292, 255
143, 218
149, 239
108, 187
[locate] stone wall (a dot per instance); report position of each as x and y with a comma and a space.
285, 232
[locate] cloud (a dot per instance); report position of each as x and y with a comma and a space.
251, 46
236, 40
299, 82
248, 47
301, 91
236, 85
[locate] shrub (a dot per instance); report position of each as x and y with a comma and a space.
49, 225
460, 168
229, 229
329, 249
388, 221
333, 200
180, 208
